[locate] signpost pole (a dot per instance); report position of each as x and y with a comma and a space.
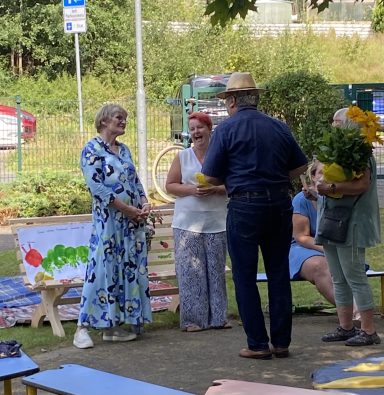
75, 22
78, 75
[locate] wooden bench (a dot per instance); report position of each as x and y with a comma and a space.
11, 368
81, 380
160, 267
236, 387
262, 278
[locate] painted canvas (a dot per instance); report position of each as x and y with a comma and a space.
55, 252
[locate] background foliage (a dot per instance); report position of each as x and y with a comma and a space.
44, 195
378, 18
37, 59
306, 102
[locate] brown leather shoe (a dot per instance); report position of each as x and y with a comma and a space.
260, 354
280, 352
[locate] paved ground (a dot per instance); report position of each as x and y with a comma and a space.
191, 361
6, 238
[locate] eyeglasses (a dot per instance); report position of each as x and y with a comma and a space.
337, 122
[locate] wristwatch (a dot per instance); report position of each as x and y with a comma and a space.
332, 188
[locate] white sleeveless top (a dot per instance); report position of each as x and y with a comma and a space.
198, 214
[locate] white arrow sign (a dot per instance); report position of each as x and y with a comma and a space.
75, 26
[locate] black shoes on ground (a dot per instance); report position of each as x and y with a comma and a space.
352, 337
363, 339
340, 334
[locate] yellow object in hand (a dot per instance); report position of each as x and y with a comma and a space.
335, 173
201, 181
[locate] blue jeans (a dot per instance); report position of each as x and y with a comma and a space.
264, 221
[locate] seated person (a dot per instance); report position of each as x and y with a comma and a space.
306, 259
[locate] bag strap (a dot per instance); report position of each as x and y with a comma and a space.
354, 203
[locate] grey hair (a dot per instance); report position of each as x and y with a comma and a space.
347, 123
107, 112
246, 98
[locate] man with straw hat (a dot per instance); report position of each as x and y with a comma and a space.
256, 156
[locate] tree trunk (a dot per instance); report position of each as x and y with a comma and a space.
20, 61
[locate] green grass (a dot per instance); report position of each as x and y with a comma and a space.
8, 263
36, 340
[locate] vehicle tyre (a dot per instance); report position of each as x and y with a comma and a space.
160, 169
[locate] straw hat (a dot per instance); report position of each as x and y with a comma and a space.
239, 82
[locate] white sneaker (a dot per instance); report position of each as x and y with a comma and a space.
118, 334
82, 339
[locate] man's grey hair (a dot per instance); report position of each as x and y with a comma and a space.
346, 122
107, 112
246, 98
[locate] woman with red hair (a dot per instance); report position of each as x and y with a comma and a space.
199, 234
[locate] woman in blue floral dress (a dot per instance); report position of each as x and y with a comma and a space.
116, 287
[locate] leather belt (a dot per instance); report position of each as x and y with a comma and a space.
261, 193
248, 195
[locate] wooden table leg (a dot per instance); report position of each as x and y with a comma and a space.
31, 390
8, 387
382, 296
175, 304
50, 298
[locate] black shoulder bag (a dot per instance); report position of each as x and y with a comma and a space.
333, 224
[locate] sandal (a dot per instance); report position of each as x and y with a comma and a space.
363, 339
193, 328
226, 325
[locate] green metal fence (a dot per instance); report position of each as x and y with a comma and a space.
57, 144
58, 141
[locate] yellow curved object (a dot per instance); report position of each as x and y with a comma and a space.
41, 276
353, 382
335, 173
366, 367
201, 181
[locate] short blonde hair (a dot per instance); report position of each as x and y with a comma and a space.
107, 112
312, 168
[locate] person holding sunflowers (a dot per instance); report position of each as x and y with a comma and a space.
348, 199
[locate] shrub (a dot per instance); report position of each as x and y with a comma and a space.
378, 18
45, 194
305, 102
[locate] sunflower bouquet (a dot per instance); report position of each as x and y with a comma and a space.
345, 150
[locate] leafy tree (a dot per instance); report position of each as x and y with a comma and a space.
221, 11
378, 18
31, 34
306, 102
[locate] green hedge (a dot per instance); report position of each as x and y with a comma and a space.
44, 195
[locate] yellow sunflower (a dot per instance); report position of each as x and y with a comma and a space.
356, 114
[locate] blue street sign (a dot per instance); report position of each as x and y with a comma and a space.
68, 26
73, 3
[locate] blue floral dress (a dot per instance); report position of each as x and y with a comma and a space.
116, 287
